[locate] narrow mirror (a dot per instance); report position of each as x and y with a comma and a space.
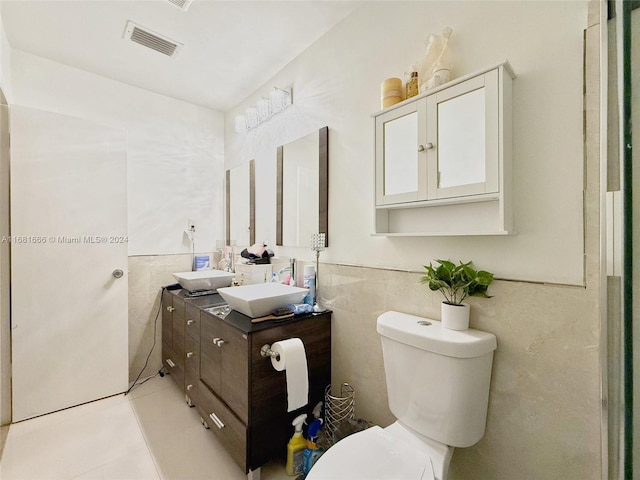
302, 189
240, 201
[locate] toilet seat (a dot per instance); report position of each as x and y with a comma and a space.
373, 454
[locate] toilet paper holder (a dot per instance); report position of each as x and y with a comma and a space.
266, 351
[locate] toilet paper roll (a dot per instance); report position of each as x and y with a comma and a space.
293, 359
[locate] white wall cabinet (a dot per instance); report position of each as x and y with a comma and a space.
443, 159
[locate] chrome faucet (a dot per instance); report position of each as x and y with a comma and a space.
291, 268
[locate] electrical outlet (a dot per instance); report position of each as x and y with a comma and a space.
191, 225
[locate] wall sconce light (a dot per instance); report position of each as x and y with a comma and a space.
279, 99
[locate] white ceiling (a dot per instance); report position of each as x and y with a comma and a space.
230, 48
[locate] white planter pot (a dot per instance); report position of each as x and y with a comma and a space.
455, 317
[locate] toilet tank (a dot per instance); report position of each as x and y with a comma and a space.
437, 379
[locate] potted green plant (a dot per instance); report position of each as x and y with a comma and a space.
456, 283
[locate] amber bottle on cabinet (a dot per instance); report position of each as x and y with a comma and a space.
412, 85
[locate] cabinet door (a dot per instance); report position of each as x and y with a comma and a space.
167, 317
234, 375
400, 163
224, 363
463, 127
210, 352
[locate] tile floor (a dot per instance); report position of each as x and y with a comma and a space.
150, 434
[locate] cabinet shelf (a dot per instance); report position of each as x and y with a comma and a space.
490, 197
466, 233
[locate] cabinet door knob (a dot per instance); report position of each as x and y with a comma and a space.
220, 342
190, 354
117, 273
190, 322
170, 363
189, 387
170, 309
428, 146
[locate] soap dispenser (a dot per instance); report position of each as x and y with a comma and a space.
295, 447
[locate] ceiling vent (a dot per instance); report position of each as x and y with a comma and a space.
152, 40
181, 4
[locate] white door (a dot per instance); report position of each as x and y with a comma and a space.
68, 223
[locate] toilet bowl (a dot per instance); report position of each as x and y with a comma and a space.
392, 453
438, 389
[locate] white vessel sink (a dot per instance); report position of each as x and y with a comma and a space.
261, 299
204, 279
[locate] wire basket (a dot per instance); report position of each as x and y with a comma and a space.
338, 408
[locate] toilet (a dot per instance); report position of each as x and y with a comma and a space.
438, 389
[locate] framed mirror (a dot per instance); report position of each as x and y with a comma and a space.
302, 190
241, 204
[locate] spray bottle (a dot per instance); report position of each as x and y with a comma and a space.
295, 447
313, 451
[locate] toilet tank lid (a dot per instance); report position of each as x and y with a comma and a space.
428, 335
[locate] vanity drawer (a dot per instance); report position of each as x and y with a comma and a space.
178, 330
191, 353
167, 317
173, 364
224, 424
191, 386
192, 321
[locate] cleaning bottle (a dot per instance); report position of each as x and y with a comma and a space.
313, 451
295, 447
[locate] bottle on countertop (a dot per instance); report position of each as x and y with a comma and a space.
310, 297
309, 281
295, 447
309, 273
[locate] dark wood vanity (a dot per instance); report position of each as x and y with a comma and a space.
216, 361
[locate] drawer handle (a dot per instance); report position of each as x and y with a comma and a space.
190, 322
170, 309
190, 354
170, 363
216, 420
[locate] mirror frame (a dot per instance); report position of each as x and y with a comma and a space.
323, 187
252, 204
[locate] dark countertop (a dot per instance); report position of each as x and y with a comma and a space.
235, 318
243, 323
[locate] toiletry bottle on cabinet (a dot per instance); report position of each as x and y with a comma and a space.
412, 85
